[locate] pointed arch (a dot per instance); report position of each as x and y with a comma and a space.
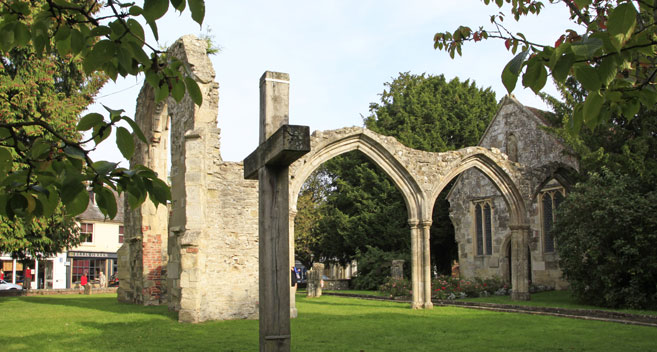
373, 149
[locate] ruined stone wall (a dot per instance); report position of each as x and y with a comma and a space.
515, 131
142, 259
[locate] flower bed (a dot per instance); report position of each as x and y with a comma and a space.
446, 287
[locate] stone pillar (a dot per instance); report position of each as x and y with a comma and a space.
416, 265
520, 264
397, 269
426, 262
293, 298
314, 276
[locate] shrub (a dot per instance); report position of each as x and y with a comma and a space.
374, 267
447, 287
396, 287
606, 232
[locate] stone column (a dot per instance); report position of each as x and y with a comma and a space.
397, 269
426, 262
519, 278
416, 263
293, 299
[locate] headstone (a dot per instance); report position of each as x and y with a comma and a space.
315, 275
280, 145
397, 269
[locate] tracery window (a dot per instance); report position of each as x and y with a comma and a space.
483, 227
549, 200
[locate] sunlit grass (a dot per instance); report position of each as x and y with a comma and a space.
328, 323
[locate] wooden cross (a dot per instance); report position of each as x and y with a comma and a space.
280, 145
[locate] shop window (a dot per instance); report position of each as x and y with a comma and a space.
484, 227
120, 233
86, 233
550, 201
91, 266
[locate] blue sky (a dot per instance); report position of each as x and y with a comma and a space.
338, 53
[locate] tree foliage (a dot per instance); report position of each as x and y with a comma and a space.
611, 53
606, 231
54, 56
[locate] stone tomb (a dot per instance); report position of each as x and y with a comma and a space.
202, 259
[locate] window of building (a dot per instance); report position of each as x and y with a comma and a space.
484, 227
86, 232
549, 200
121, 234
91, 266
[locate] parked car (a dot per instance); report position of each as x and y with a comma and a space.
4, 285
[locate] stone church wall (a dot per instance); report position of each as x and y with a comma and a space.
516, 131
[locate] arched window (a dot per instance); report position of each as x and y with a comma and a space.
549, 200
483, 227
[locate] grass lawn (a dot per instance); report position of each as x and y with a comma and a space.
558, 299
359, 292
329, 323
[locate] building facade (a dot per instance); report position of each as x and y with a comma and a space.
480, 215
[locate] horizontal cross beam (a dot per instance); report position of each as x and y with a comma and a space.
284, 147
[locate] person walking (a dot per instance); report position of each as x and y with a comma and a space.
27, 278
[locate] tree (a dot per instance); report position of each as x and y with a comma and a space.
611, 54
604, 223
51, 51
605, 232
431, 114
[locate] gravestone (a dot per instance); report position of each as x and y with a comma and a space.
397, 269
280, 145
315, 280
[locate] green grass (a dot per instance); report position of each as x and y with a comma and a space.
328, 323
359, 292
556, 299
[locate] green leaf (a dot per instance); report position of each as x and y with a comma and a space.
114, 114
197, 7
140, 54
104, 167
178, 5
77, 41
136, 29
49, 201
158, 191
607, 70
78, 203
135, 128
6, 161
161, 92
21, 34
194, 91
630, 108
154, 9
535, 76
587, 47
621, 23
106, 201
576, 119
588, 77
39, 148
125, 143
178, 91
75, 152
591, 109
512, 71
89, 121
562, 67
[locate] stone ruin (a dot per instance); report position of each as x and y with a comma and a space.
200, 256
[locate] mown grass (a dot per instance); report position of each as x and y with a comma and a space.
328, 323
556, 299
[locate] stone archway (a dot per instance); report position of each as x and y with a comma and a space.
420, 177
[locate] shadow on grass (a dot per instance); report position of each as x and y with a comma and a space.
103, 302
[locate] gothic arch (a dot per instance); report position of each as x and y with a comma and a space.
346, 140
483, 160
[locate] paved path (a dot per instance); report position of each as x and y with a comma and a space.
586, 314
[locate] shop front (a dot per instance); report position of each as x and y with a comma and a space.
92, 263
